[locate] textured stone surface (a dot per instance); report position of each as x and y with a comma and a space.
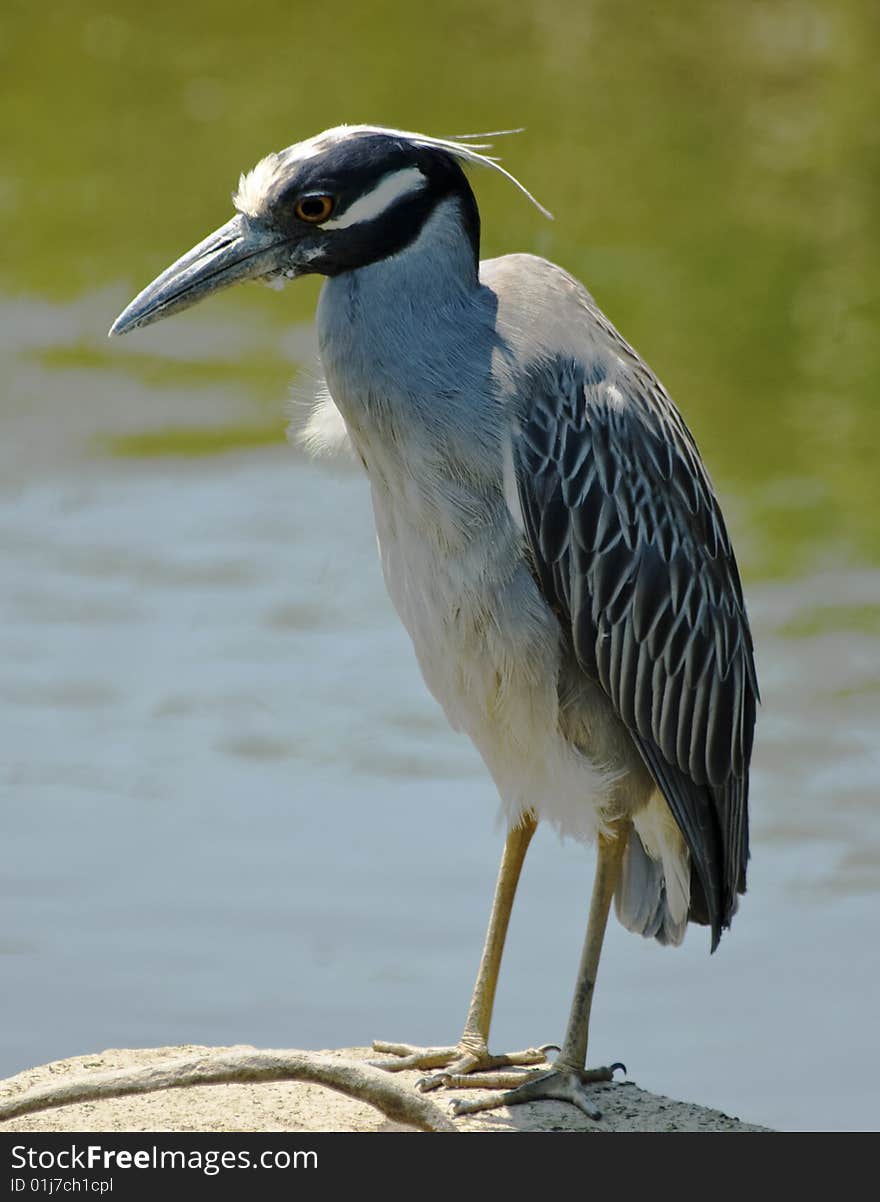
301, 1107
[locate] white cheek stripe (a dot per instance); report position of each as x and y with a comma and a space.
374, 203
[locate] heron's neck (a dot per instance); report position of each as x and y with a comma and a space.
406, 343
399, 293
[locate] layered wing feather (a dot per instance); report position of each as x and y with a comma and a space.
630, 549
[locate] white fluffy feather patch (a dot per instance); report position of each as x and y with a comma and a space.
253, 187
325, 431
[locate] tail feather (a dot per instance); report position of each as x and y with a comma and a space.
653, 895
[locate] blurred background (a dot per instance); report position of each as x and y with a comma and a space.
231, 811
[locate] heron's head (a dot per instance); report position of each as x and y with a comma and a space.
336, 202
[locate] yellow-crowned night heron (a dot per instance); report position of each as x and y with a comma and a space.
548, 534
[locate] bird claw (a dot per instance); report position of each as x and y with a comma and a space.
456, 1063
403, 1056
559, 1085
439, 1080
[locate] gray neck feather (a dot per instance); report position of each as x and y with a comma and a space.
435, 270
407, 344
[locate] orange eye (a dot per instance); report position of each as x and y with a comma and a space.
314, 209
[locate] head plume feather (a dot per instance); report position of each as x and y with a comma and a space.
466, 148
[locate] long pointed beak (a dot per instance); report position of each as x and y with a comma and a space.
239, 250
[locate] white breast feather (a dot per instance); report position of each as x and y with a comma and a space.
325, 431
488, 649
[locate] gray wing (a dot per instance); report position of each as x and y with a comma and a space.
630, 549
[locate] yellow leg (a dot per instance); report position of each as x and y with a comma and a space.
568, 1078
479, 1016
609, 861
472, 1052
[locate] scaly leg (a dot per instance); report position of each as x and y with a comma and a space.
472, 1051
568, 1079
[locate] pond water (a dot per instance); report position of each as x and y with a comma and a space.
231, 811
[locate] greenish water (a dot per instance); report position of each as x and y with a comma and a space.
222, 777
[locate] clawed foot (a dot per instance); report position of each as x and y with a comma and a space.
458, 1063
562, 1084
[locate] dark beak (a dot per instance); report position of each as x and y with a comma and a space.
239, 250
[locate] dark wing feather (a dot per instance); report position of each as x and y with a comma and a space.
630, 549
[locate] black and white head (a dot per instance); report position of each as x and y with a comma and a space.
339, 201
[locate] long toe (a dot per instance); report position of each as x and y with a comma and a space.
402, 1056
563, 1084
456, 1062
